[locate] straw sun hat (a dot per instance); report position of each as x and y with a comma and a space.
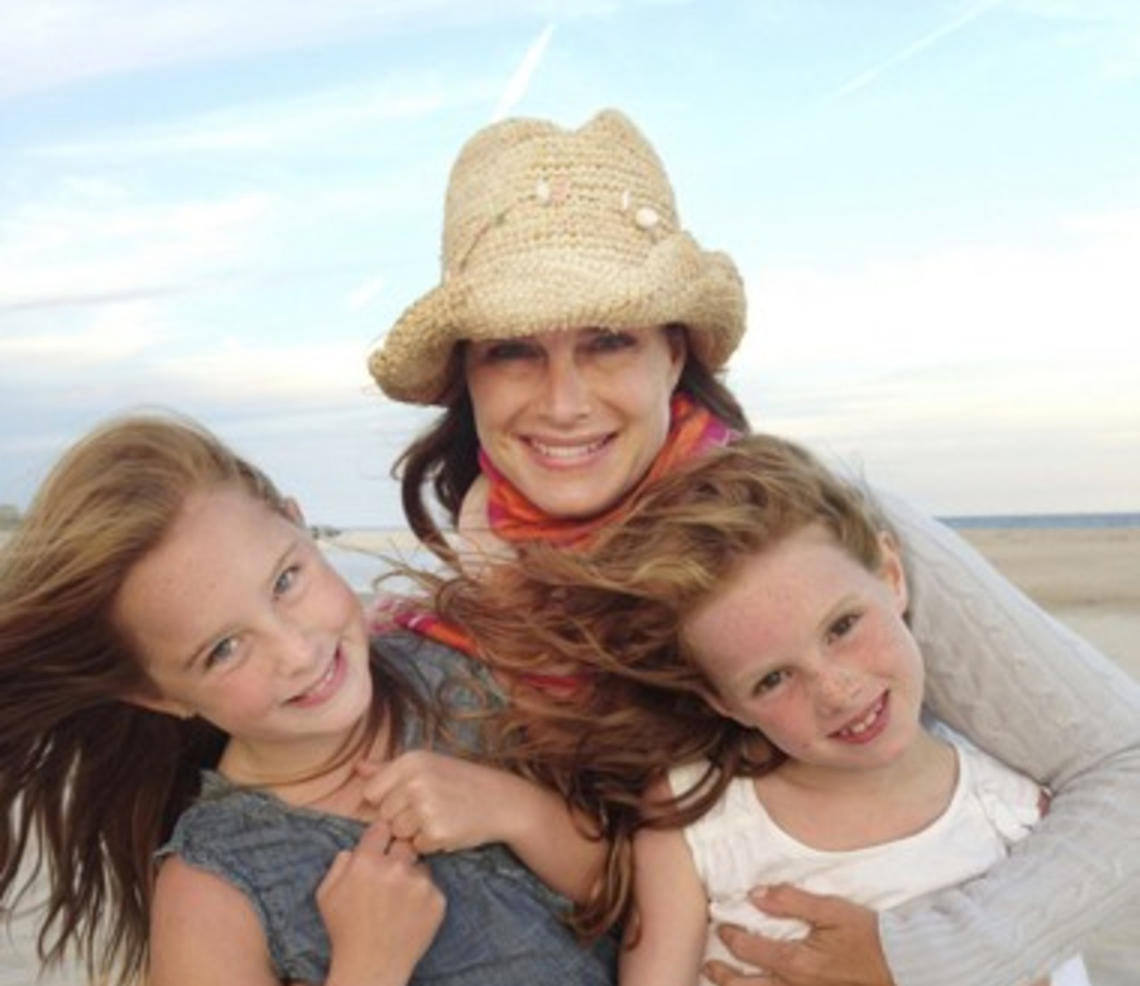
545, 229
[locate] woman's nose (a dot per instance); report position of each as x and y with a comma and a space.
567, 395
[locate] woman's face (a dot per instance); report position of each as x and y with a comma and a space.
574, 419
239, 618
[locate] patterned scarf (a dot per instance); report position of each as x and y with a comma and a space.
693, 429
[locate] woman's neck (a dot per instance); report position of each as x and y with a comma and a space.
844, 809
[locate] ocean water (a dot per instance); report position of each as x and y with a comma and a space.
362, 568
1042, 521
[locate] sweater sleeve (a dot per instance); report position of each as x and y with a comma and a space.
1033, 694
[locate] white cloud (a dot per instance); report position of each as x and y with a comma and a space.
115, 333
238, 372
1072, 298
53, 253
48, 43
286, 123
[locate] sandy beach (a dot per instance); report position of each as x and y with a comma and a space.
1087, 578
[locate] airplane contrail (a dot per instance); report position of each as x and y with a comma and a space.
912, 49
519, 82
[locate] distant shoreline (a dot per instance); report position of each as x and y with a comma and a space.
1060, 521
1041, 521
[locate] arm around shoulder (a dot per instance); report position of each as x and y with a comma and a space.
1038, 697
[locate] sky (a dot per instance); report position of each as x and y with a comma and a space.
221, 207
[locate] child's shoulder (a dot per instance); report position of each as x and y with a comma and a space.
1010, 800
429, 665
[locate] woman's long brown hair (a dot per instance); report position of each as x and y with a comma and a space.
613, 615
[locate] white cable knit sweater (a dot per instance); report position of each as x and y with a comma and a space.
1036, 696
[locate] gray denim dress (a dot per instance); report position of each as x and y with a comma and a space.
503, 926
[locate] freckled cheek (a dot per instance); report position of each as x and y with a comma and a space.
249, 699
787, 730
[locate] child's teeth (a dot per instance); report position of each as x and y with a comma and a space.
863, 724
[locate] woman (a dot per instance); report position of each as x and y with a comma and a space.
573, 343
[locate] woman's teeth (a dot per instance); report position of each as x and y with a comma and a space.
567, 451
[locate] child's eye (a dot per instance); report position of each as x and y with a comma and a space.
286, 580
221, 652
770, 681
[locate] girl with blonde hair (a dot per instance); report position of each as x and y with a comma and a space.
222, 775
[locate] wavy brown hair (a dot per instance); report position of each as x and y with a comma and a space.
91, 785
444, 458
614, 615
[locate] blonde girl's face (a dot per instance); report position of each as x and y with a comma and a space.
806, 645
239, 619
574, 419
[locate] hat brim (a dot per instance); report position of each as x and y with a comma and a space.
558, 290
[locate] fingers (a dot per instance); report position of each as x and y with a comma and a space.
837, 941
404, 769
786, 901
402, 851
722, 974
336, 870
756, 950
376, 838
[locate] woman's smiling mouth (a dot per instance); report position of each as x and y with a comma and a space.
567, 453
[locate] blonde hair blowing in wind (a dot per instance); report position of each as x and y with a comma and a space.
613, 615
90, 782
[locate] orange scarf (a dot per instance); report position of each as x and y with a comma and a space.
693, 429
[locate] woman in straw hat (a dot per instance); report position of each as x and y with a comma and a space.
574, 342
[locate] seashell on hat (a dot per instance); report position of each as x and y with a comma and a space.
547, 229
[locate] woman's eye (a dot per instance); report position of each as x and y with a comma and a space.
612, 342
508, 350
221, 652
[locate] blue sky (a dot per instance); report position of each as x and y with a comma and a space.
935, 204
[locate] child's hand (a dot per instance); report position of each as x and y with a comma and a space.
440, 803
381, 910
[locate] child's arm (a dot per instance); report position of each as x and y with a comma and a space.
381, 911
668, 934
441, 803
204, 931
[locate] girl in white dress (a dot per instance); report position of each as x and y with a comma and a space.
753, 682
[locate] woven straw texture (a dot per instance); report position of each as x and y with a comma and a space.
548, 229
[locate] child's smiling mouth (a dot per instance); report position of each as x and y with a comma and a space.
867, 726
